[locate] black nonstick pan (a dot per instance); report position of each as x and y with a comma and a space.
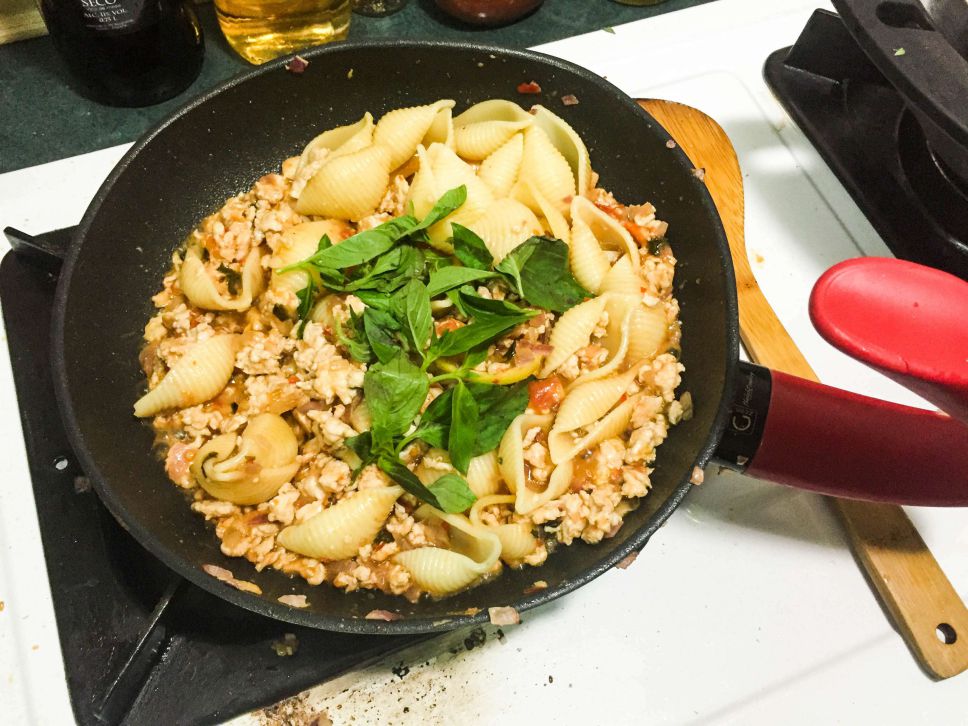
218, 145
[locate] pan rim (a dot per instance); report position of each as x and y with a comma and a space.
410, 625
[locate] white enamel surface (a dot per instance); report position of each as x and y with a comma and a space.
746, 608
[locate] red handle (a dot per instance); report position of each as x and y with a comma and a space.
906, 320
835, 442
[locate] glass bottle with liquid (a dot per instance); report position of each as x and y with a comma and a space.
260, 30
127, 52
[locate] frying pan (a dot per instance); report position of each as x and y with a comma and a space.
220, 143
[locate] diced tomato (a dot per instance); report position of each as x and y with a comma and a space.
447, 325
545, 395
529, 87
293, 379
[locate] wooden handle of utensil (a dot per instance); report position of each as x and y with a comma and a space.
926, 608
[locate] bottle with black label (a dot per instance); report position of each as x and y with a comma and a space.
127, 52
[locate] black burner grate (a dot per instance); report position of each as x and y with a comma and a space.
861, 127
140, 645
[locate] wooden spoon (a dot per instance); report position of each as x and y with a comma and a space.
927, 611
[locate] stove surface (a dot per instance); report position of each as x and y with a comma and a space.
140, 644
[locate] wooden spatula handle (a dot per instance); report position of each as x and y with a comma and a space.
927, 610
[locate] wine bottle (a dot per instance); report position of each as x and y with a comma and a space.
127, 52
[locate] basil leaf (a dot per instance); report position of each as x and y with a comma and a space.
398, 471
473, 359
482, 330
375, 300
497, 407
541, 274
478, 306
390, 270
394, 392
356, 345
449, 202
364, 246
463, 427
306, 296
434, 426
381, 330
418, 315
453, 493
470, 249
362, 446
447, 278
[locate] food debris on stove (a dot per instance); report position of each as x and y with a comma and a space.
297, 65
670, 144
569, 100
899, 51
697, 476
699, 173
503, 616
385, 615
287, 646
609, 29
537, 586
626, 562
223, 575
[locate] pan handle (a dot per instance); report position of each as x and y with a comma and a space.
807, 435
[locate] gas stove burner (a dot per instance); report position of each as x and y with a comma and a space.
140, 645
896, 152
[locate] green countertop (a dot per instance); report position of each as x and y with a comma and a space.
42, 119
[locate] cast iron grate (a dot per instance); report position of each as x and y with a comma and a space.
140, 645
862, 129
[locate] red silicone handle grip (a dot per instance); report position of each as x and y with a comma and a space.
906, 320
839, 443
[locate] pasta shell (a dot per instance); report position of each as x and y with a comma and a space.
620, 309
479, 140
566, 445
495, 109
511, 450
200, 289
572, 331
434, 464
338, 532
196, 377
621, 279
552, 218
441, 131
586, 403
505, 225
565, 139
547, 171
483, 474
500, 170
473, 552
527, 500
607, 230
648, 332
339, 141
297, 243
360, 418
349, 186
588, 262
402, 130
517, 541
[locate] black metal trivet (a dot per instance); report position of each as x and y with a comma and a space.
859, 124
140, 645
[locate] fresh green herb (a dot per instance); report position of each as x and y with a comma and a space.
306, 296
656, 245
489, 320
541, 275
434, 425
452, 493
362, 246
356, 344
417, 312
447, 278
497, 407
447, 204
609, 29
394, 392
233, 280
470, 249
361, 445
381, 332
463, 427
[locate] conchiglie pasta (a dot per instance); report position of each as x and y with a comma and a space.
572, 331
296, 244
547, 171
478, 141
566, 445
483, 474
340, 530
621, 279
506, 224
620, 309
348, 187
586, 403
402, 130
196, 377
564, 138
511, 450
500, 170
648, 331
607, 230
551, 217
197, 285
474, 551
529, 499
339, 141
588, 261
517, 540
250, 469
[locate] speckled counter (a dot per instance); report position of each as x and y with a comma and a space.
42, 118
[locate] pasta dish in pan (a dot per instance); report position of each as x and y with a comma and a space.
429, 348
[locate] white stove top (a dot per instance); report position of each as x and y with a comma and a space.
747, 607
